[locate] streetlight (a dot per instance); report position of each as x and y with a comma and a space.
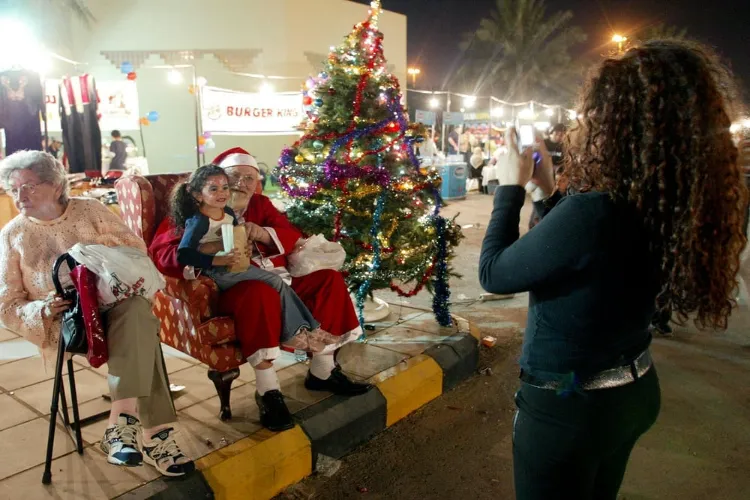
619, 40
413, 72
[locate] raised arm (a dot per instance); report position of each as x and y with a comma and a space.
557, 247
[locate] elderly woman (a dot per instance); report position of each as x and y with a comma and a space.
50, 223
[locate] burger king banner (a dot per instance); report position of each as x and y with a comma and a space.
243, 113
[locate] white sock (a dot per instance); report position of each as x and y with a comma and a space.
322, 365
266, 380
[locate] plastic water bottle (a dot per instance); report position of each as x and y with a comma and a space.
300, 356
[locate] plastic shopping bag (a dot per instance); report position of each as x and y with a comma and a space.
122, 272
315, 254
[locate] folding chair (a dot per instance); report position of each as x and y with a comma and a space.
58, 390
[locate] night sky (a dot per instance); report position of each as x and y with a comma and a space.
435, 28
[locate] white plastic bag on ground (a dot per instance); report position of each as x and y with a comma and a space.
315, 254
122, 272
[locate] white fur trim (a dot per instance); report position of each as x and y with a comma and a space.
262, 355
236, 159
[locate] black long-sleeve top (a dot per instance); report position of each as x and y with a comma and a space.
590, 275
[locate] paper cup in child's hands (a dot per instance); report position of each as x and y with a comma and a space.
227, 237
240, 248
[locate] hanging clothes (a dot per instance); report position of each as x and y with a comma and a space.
21, 102
82, 136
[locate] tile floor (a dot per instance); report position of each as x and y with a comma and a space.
25, 391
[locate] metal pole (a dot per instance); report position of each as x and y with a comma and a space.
198, 131
448, 110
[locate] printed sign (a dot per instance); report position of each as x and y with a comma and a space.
425, 117
118, 105
453, 118
242, 113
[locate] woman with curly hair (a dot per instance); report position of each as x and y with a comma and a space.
657, 217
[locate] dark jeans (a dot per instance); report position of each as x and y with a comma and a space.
577, 445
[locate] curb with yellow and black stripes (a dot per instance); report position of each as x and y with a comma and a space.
265, 463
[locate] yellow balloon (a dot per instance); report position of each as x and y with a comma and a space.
201, 140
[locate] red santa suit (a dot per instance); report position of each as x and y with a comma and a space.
255, 306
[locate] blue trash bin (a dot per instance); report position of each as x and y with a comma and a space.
454, 181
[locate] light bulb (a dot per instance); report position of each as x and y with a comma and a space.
175, 77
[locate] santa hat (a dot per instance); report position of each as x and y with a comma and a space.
235, 157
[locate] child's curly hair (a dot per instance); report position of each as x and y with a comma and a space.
183, 203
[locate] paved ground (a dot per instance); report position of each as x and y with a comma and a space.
459, 446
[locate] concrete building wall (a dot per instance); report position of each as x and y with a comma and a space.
291, 37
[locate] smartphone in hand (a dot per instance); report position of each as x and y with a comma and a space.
526, 136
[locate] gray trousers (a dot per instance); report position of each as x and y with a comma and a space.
136, 364
294, 312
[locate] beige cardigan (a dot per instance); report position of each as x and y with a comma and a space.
29, 248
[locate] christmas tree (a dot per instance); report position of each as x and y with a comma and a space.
355, 178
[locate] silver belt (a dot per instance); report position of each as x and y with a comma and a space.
607, 379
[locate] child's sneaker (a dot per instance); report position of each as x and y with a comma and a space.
120, 442
164, 454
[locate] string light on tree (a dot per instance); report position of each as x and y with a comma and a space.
354, 176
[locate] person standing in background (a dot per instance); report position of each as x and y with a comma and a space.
120, 151
555, 146
453, 140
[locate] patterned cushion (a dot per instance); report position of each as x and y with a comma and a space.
201, 294
136, 199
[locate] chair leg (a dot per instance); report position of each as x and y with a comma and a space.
47, 475
64, 404
223, 383
74, 403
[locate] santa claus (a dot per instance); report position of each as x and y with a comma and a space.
256, 307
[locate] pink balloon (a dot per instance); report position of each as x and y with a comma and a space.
206, 135
201, 149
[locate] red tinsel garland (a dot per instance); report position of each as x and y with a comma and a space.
420, 285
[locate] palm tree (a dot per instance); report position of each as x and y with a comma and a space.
661, 30
522, 53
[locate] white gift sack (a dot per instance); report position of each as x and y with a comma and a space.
315, 254
122, 272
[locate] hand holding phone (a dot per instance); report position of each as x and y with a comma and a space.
526, 136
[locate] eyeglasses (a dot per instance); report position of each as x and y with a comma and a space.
15, 192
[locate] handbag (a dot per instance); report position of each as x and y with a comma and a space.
73, 328
81, 325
